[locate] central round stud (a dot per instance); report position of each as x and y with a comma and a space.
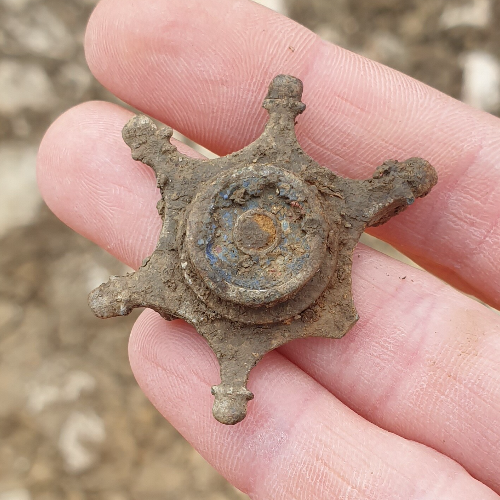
256, 232
255, 235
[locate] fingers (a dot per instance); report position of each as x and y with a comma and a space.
425, 366
422, 362
206, 75
298, 441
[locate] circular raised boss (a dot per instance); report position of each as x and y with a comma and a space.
256, 235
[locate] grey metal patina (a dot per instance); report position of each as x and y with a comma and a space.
256, 247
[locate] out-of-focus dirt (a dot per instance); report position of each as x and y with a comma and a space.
429, 40
73, 423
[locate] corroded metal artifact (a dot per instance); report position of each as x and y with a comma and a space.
256, 247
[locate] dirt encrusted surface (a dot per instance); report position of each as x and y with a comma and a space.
255, 243
73, 423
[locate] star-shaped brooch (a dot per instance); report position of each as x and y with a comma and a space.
256, 247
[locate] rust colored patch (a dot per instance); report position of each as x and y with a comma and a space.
266, 224
256, 233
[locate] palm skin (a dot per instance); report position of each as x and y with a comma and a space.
407, 404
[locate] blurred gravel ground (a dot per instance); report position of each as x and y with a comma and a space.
73, 423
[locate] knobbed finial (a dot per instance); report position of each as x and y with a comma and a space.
285, 92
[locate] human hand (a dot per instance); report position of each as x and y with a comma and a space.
407, 404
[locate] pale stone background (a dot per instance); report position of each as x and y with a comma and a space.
73, 424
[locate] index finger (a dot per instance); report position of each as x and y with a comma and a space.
205, 74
